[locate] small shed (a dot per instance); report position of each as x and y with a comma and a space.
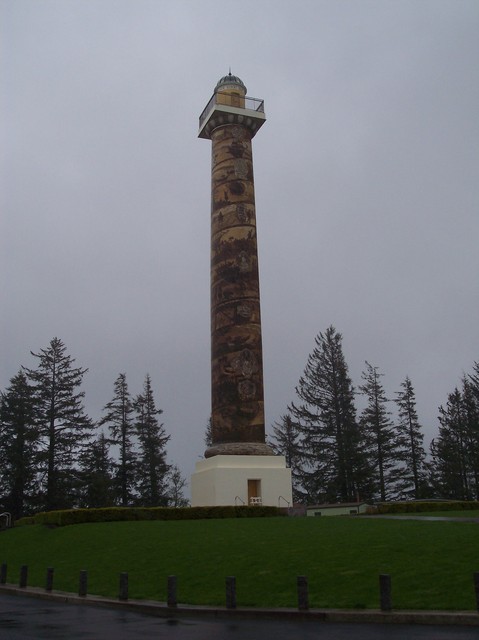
338, 509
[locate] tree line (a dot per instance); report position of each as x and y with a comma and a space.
54, 456
340, 454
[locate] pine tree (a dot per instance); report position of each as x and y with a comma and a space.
332, 468
379, 435
471, 406
176, 484
64, 428
119, 420
413, 482
449, 450
455, 452
152, 469
473, 379
208, 439
286, 442
97, 489
18, 448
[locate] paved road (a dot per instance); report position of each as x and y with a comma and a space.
30, 619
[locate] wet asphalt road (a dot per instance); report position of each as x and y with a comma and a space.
30, 619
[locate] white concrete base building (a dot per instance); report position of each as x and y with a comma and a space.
237, 480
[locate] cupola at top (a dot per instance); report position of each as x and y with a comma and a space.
230, 83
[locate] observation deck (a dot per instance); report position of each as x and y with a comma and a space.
231, 108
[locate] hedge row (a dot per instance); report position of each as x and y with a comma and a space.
115, 514
417, 507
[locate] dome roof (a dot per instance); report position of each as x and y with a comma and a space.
230, 79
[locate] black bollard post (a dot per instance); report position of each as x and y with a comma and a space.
171, 598
476, 588
83, 583
49, 581
123, 586
23, 576
385, 592
3, 573
231, 592
303, 598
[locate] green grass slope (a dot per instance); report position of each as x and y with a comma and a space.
431, 563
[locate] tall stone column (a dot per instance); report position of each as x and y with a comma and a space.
237, 412
239, 468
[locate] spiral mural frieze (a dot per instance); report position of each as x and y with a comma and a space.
237, 371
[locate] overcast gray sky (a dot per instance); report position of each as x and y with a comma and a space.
367, 191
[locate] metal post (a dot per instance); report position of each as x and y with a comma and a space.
123, 586
171, 598
83, 583
231, 592
385, 592
476, 588
23, 576
303, 597
49, 581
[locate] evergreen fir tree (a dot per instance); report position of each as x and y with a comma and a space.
331, 469
63, 426
176, 484
18, 448
152, 469
471, 407
473, 379
378, 432
449, 450
208, 434
97, 487
413, 476
455, 452
119, 420
286, 442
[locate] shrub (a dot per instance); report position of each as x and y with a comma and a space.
115, 514
23, 521
423, 506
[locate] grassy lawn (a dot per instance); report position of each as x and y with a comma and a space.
431, 563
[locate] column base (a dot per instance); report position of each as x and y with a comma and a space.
239, 449
241, 480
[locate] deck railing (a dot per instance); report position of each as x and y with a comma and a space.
231, 100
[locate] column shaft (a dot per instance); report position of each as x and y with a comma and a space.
236, 358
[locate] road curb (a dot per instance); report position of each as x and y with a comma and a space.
160, 609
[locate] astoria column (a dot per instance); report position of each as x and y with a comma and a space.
230, 121
238, 468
